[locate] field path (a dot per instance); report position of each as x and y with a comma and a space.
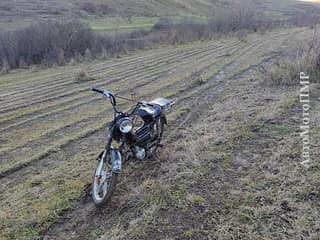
51, 129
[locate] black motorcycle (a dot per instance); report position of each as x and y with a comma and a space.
137, 135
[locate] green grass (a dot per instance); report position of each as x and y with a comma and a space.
118, 24
137, 23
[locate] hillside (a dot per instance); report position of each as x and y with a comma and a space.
21, 12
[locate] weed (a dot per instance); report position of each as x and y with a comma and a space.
178, 193
188, 234
99, 232
302, 58
198, 199
197, 78
82, 75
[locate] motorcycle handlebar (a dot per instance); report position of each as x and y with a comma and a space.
113, 99
104, 92
108, 95
97, 90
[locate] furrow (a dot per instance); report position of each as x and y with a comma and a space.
52, 93
8, 119
92, 112
102, 68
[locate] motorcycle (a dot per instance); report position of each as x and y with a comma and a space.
137, 133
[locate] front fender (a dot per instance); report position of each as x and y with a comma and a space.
116, 160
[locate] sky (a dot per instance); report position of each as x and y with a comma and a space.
316, 1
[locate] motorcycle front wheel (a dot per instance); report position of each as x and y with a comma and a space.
103, 184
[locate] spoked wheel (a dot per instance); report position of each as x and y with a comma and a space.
104, 182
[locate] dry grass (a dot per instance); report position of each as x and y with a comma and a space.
250, 188
82, 75
153, 198
70, 112
237, 175
304, 57
98, 8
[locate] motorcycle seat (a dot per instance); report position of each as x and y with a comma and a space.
165, 104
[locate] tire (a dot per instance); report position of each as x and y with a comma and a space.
160, 128
102, 191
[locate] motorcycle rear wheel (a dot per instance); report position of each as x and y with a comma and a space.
159, 129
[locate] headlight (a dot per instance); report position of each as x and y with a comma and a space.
125, 125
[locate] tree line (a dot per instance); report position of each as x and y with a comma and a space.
56, 43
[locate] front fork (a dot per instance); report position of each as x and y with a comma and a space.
115, 157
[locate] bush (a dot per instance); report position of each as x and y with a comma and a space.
45, 43
89, 7
242, 17
82, 75
5, 67
239, 21
284, 72
56, 43
163, 24
95, 8
303, 58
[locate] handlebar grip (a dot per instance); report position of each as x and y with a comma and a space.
97, 90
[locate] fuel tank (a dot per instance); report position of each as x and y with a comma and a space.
149, 113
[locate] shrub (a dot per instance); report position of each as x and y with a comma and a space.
88, 55
164, 23
5, 68
82, 75
88, 7
56, 43
242, 17
197, 78
285, 72
45, 43
96, 8
302, 58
